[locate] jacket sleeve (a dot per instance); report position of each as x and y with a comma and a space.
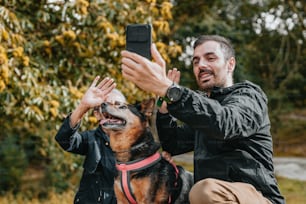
175, 139
240, 113
70, 139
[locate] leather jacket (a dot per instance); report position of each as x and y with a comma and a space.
96, 185
229, 133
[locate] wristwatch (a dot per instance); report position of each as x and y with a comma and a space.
174, 93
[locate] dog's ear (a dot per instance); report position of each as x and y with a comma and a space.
147, 107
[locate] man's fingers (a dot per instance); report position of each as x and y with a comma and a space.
157, 57
174, 75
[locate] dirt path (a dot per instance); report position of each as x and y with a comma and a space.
288, 167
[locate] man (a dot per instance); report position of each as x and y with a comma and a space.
96, 185
225, 124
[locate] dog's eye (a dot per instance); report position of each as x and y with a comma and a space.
123, 107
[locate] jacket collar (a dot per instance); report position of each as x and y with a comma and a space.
100, 133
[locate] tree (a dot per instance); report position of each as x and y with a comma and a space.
50, 51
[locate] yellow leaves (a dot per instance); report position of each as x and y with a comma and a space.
106, 26
75, 92
67, 38
92, 119
115, 40
25, 61
47, 48
46, 43
18, 52
162, 48
168, 51
5, 34
3, 58
69, 35
82, 6
112, 36
175, 50
2, 85
166, 10
54, 103
4, 73
161, 27
4, 69
54, 112
60, 39
54, 108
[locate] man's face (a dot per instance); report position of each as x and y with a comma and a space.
210, 67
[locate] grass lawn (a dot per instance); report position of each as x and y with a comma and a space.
293, 191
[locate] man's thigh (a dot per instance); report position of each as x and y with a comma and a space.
218, 191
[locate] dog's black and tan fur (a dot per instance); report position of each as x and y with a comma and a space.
131, 139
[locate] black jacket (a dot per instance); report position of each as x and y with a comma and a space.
96, 185
229, 134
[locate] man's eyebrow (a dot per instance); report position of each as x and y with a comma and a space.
209, 53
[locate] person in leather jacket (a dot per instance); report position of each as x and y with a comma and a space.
96, 185
226, 124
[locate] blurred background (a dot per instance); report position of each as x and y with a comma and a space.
51, 50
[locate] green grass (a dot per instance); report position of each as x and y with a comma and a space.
294, 191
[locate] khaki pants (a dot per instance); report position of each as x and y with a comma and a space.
214, 191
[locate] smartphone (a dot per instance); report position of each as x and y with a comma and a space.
139, 39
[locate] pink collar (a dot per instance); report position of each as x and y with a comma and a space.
125, 169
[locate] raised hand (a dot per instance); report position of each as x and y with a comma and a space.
174, 75
94, 96
97, 92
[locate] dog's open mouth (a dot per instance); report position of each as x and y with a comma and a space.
112, 121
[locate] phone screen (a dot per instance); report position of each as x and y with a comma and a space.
138, 39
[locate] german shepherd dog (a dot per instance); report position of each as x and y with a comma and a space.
144, 176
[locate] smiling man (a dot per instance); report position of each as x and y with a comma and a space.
225, 124
213, 64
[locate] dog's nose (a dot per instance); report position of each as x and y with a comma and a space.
103, 106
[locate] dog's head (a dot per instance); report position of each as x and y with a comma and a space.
122, 117
125, 123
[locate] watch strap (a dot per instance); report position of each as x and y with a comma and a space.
160, 101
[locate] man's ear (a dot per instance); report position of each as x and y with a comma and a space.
231, 64
147, 107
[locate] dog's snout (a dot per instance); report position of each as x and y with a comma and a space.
103, 106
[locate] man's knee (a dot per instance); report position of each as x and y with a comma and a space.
202, 191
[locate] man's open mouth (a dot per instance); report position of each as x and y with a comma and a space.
205, 75
110, 121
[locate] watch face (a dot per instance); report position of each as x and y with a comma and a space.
174, 93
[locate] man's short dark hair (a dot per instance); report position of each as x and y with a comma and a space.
225, 44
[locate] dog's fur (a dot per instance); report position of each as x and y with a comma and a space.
131, 139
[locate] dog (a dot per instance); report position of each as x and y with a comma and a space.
144, 176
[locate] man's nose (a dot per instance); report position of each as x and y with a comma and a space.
202, 63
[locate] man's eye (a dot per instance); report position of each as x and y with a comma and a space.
211, 59
195, 62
